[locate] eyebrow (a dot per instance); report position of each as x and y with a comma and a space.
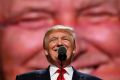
16, 18
98, 3
89, 5
47, 7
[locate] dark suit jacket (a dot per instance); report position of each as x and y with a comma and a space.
45, 75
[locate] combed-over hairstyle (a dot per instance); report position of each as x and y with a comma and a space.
55, 28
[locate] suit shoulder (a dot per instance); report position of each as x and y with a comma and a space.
30, 75
85, 76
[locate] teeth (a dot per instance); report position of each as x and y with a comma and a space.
55, 50
86, 70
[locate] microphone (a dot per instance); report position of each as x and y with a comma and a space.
62, 53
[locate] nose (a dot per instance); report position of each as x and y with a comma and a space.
66, 16
59, 43
67, 20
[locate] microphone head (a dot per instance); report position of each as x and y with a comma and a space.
62, 53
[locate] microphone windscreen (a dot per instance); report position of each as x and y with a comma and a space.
62, 53
62, 50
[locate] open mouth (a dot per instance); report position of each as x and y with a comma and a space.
89, 69
55, 49
90, 62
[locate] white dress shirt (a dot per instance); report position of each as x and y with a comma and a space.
68, 75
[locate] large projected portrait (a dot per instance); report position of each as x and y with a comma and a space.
96, 23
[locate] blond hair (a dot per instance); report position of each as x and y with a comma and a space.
55, 28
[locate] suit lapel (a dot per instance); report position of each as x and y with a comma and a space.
78, 76
75, 75
47, 74
43, 75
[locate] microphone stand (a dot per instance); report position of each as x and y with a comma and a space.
62, 57
61, 65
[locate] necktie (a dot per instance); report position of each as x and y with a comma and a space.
61, 74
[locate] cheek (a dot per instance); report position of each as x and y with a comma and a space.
52, 44
20, 43
109, 72
104, 36
70, 51
53, 54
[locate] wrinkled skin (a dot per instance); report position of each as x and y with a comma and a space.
96, 24
56, 39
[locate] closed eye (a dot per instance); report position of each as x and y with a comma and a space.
100, 14
35, 19
53, 39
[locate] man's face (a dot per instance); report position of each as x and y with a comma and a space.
97, 27
56, 39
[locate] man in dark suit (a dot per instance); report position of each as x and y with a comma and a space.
59, 45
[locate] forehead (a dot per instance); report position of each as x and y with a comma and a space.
97, 5
20, 5
59, 33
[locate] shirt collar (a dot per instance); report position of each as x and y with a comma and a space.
69, 70
53, 70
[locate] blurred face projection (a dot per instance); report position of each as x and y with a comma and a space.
96, 23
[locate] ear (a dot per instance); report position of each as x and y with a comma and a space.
46, 53
74, 51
